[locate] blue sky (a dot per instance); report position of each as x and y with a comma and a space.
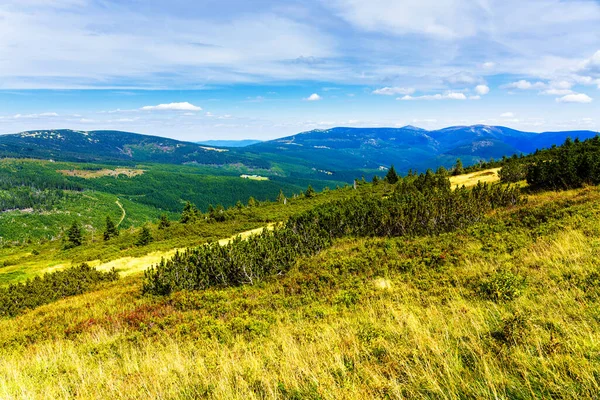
233, 69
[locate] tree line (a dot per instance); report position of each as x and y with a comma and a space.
419, 205
16, 298
572, 165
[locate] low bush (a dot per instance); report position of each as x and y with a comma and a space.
16, 298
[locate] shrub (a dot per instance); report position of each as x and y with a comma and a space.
502, 286
422, 205
38, 291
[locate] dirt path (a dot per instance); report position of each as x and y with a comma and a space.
135, 265
122, 210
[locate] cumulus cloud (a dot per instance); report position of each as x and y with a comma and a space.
525, 85
507, 115
556, 92
184, 106
462, 78
575, 98
394, 91
593, 63
482, 90
33, 116
437, 96
313, 97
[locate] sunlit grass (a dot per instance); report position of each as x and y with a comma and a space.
468, 180
368, 318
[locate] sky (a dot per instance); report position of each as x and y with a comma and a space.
262, 69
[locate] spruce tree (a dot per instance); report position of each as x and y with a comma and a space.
163, 222
74, 235
280, 196
145, 237
458, 168
251, 202
189, 213
310, 192
111, 230
391, 176
375, 180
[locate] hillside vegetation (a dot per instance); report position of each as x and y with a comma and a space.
408, 289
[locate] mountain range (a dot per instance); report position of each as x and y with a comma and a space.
328, 151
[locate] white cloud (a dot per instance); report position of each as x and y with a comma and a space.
556, 92
525, 85
184, 106
482, 90
507, 115
446, 19
462, 78
575, 98
592, 64
488, 65
34, 116
478, 97
394, 91
313, 97
438, 96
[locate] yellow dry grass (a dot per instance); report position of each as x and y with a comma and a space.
486, 176
135, 265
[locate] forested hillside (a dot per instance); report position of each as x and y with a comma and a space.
39, 199
406, 287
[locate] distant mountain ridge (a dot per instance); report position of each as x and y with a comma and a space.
409, 146
325, 152
113, 146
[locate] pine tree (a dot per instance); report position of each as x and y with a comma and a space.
74, 235
375, 180
458, 168
391, 176
163, 222
111, 230
310, 192
189, 213
280, 196
145, 237
251, 202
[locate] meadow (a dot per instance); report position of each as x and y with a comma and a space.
506, 308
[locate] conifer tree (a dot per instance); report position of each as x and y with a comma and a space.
310, 192
375, 180
280, 196
251, 202
458, 168
111, 230
391, 176
163, 222
74, 235
145, 237
189, 213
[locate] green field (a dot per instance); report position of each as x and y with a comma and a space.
492, 292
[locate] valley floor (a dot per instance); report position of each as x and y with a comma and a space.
506, 309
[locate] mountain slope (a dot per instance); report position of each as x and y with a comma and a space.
343, 153
109, 146
407, 147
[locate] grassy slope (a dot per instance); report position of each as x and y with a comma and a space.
383, 318
19, 263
